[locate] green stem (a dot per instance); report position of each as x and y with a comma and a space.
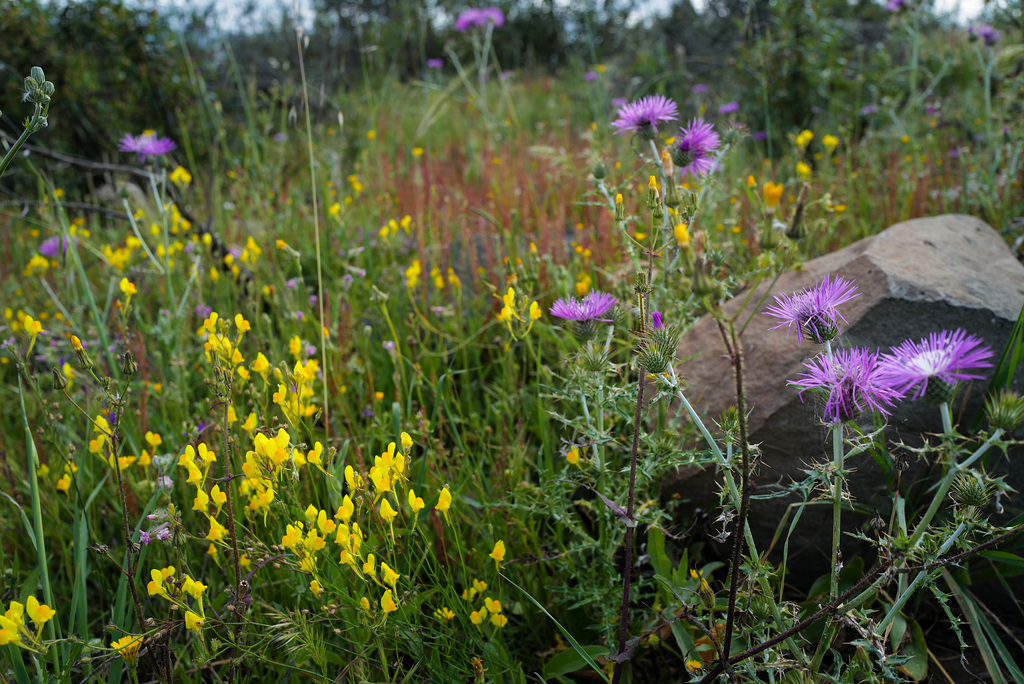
837, 506
905, 596
946, 483
11, 153
37, 523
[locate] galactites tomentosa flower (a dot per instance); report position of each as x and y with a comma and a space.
854, 381
813, 309
586, 312
932, 367
645, 115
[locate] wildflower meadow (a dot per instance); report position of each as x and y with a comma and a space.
370, 369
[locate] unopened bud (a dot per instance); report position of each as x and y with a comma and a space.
60, 383
129, 366
620, 208
83, 356
1005, 410
599, 171
702, 285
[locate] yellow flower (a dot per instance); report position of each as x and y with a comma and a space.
417, 151
128, 646
346, 509
194, 621
444, 502
415, 502
772, 195
33, 328
128, 288
371, 134
535, 311
478, 616
830, 142
156, 584
388, 575
387, 603
694, 666
39, 612
250, 422
180, 177
315, 587
803, 170
804, 139
751, 181
573, 457
498, 554
242, 324
499, 620
444, 614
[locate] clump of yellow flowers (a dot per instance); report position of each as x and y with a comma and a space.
13, 629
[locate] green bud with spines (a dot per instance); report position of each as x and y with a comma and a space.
1005, 411
968, 490
658, 348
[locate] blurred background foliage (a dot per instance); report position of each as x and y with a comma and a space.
119, 63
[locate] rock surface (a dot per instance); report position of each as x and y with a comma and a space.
914, 278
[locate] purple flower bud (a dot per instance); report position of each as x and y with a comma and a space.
656, 321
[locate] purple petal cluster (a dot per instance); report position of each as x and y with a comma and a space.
895, 5
435, 63
945, 356
592, 307
479, 18
854, 380
988, 34
813, 309
54, 245
695, 147
729, 108
645, 114
145, 145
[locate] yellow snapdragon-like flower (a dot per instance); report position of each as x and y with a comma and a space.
444, 502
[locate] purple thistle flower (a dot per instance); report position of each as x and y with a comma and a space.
854, 381
593, 305
590, 76
760, 135
943, 356
895, 5
656, 320
52, 245
644, 115
699, 88
145, 145
869, 109
203, 310
990, 35
692, 153
729, 108
813, 309
473, 18
619, 102
389, 345
435, 63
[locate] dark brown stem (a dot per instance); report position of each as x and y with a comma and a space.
737, 550
833, 606
627, 576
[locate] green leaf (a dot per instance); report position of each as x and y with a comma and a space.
568, 637
570, 661
916, 666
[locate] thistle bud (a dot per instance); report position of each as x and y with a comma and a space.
657, 212
83, 356
60, 383
1005, 411
658, 348
129, 366
594, 359
968, 490
599, 171
768, 238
